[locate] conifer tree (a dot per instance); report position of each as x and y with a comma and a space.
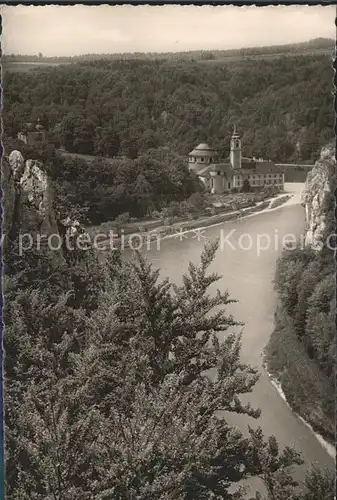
129, 401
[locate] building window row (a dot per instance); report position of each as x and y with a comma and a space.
261, 177
260, 181
203, 159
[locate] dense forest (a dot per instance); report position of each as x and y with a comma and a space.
302, 348
282, 107
144, 116
100, 190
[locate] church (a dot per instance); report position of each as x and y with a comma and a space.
222, 176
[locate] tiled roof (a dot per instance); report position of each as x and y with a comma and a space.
267, 167
203, 149
204, 172
221, 167
249, 165
216, 167
294, 165
200, 153
244, 171
261, 167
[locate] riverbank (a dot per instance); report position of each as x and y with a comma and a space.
299, 378
182, 227
298, 374
328, 446
248, 278
299, 381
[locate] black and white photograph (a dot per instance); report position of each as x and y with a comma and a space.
168, 252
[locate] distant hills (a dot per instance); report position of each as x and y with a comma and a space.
311, 47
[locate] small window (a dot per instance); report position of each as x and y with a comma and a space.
210, 160
202, 158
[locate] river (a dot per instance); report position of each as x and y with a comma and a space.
248, 276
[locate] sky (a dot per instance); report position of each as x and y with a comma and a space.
57, 30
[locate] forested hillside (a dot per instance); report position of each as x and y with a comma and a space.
302, 349
282, 107
100, 190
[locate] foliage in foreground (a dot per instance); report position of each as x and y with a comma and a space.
115, 403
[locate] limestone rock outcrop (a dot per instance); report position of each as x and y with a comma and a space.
28, 201
318, 198
28, 210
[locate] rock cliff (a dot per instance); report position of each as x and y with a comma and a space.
318, 198
28, 205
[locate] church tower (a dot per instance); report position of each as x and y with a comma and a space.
235, 154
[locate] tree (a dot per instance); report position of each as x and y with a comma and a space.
143, 195
320, 484
118, 404
197, 201
207, 56
121, 220
311, 275
65, 132
320, 323
149, 140
130, 147
289, 269
310, 144
106, 142
83, 136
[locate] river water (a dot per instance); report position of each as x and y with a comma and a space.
248, 275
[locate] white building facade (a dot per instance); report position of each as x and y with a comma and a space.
222, 176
